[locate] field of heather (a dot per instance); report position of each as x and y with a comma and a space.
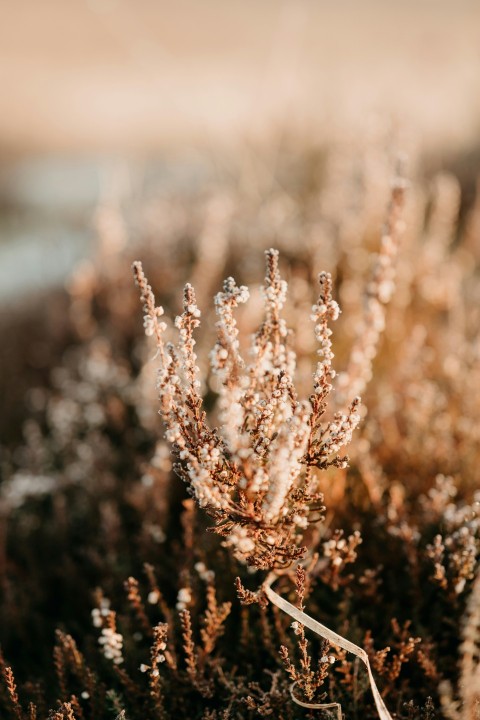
240, 361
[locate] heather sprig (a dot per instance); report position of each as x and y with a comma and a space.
254, 474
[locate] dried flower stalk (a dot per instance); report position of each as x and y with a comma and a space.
379, 291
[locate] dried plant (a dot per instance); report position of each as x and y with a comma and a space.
253, 475
305, 679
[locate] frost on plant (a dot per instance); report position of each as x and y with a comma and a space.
255, 473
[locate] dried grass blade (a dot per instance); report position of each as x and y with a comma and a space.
329, 635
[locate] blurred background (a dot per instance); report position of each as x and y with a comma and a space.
158, 92
114, 113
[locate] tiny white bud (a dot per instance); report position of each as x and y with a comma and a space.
153, 597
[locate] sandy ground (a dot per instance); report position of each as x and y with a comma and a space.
112, 75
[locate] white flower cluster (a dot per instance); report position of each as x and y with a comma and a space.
149, 323
341, 550
110, 640
22, 486
184, 598
227, 364
240, 541
340, 431
205, 574
160, 658
327, 659
324, 311
296, 627
112, 643
285, 464
99, 614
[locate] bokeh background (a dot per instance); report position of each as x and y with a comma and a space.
118, 103
160, 92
